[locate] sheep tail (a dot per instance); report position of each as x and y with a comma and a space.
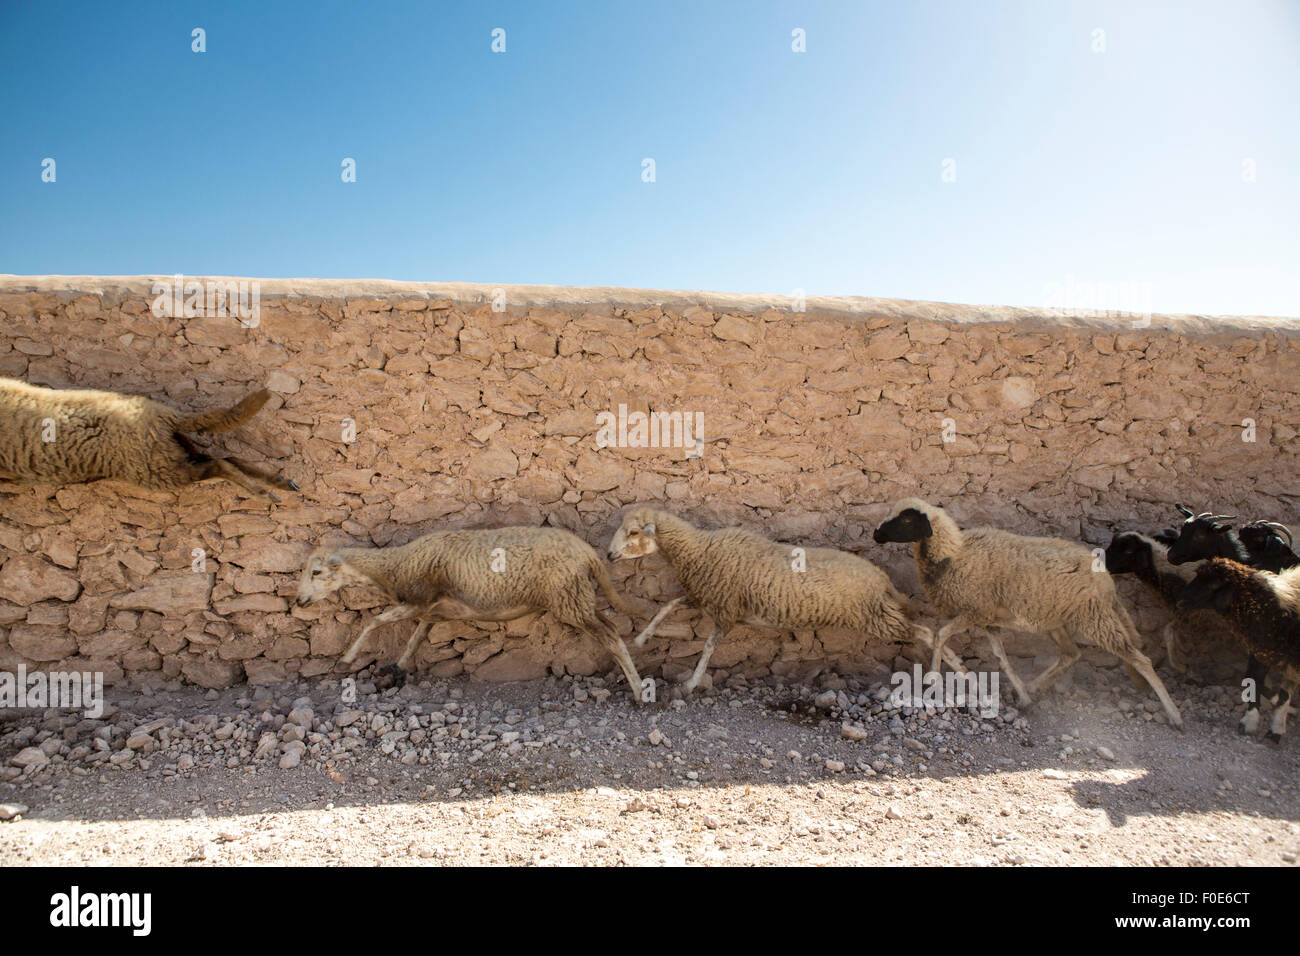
601, 575
225, 419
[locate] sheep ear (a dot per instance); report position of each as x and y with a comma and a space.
1220, 528
334, 561
648, 529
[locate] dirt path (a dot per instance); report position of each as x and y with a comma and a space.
570, 771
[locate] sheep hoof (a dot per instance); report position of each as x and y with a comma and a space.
688, 686
1274, 737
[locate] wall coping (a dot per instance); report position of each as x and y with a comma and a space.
585, 298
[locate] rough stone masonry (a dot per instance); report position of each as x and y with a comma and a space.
402, 408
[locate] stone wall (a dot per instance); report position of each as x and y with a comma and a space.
469, 416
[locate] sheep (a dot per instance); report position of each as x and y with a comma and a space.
1263, 545
497, 574
1146, 558
1269, 545
70, 436
1206, 536
1264, 611
737, 577
986, 577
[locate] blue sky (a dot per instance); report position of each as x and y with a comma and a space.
774, 170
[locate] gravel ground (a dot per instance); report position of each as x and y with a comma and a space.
570, 771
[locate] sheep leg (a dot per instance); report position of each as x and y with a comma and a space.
1172, 653
403, 612
702, 665
1068, 653
220, 468
261, 474
649, 629
597, 624
1142, 664
413, 645
1257, 673
620, 653
1000, 653
1137, 679
925, 636
955, 626
1282, 708
203, 467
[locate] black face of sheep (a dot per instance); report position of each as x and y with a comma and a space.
1269, 545
1203, 536
1128, 554
907, 526
1211, 589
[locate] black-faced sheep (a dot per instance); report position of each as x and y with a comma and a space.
985, 577
1264, 611
67, 436
497, 574
1205, 536
737, 577
1269, 545
1131, 552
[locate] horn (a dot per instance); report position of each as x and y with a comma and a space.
1281, 530
1185, 512
1221, 517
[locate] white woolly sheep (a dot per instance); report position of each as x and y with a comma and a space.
738, 577
69, 436
985, 577
496, 574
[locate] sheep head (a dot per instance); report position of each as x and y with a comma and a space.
324, 573
1266, 538
635, 537
1128, 553
1200, 537
908, 522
